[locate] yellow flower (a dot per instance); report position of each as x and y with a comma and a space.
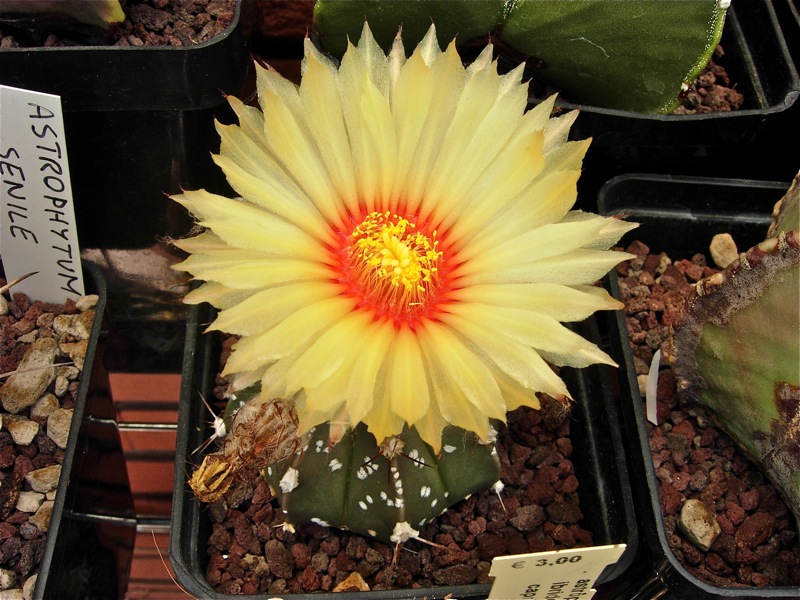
404, 247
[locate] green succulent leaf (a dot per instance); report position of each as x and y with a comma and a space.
634, 55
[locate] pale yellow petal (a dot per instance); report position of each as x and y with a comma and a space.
511, 354
363, 382
249, 316
217, 295
382, 422
290, 335
249, 269
574, 268
288, 136
406, 388
319, 94
540, 243
371, 133
461, 369
515, 394
549, 337
424, 100
430, 426
560, 302
328, 352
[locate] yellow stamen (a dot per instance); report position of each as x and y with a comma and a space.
393, 266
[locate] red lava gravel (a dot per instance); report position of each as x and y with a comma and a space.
22, 541
712, 90
250, 553
758, 545
147, 23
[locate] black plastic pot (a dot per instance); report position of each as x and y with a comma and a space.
719, 144
139, 124
599, 465
89, 545
679, 216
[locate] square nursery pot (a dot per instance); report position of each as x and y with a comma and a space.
719, 144
679, 216
139, 124
89, 544
599, 464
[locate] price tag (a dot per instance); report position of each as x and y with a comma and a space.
37, 219
556, 575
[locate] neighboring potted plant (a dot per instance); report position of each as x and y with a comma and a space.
67, 512
139, 120
713, 524
370, 307
625, 72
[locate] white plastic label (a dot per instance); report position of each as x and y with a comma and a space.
556, 575
37, 220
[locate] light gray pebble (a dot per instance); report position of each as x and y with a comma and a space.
58, 424
44, 479
29, 502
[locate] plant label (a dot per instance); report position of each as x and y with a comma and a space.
556, 575
38, 232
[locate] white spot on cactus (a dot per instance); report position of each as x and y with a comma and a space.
362, 505
372, 532
434, 502
290, 480
403, 532
334, 465
498, 487
399, 503
383, 496
491, 436
448, 448
369, 498
422, 523
318, 446
320, 522
425, 491
269, 471
288, 527
389, 502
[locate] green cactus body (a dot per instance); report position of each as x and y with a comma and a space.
589, 49
737, 351
354, 486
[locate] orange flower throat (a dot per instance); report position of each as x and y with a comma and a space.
393, 266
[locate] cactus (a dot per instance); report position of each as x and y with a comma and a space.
736, 350
381, 294
98, 13
588, 49
387, 492
345, 479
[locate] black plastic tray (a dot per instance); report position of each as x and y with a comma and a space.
101, 78
139, 123
744, 143
679, 216
89, 546
599, 464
